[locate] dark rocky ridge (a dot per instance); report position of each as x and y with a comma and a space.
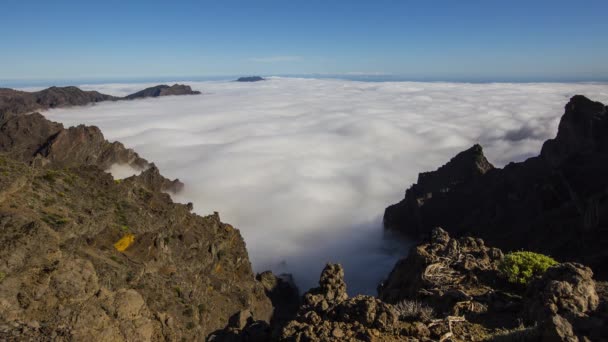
163, 90
250, 79
556, 203
14, 102
19, 102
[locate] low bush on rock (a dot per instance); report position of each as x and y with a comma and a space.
413, 310
520, 267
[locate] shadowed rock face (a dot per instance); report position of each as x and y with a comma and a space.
556, 203
163, 90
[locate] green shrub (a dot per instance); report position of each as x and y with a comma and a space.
520, 267
51, 175
54, 219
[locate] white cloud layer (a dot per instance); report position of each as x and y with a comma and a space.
305, 167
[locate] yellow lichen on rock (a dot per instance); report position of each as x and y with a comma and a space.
124, 242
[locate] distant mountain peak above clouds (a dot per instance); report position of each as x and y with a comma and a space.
250, 79
163, 90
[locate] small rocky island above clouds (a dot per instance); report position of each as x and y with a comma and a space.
250, 79
87, 257
163, 90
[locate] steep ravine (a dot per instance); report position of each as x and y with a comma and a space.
87, 257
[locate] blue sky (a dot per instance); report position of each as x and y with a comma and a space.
485, 40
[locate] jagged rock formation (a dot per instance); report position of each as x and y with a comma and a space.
163, 90
459, 278
18, 102
250, 79
563, 194
453, 275
85, 257
327, 313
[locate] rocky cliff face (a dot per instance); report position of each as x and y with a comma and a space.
561, 194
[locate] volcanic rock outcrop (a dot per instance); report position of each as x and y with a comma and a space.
556, 203
459, 279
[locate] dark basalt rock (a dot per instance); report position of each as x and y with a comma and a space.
465, 168
163, 90
250, 79
556, 203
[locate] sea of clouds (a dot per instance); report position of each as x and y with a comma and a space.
305, 167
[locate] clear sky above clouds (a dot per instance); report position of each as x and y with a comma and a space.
485, 40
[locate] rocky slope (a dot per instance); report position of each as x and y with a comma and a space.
556, 203
87, 257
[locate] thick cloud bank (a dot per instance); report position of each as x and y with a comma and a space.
304, 167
